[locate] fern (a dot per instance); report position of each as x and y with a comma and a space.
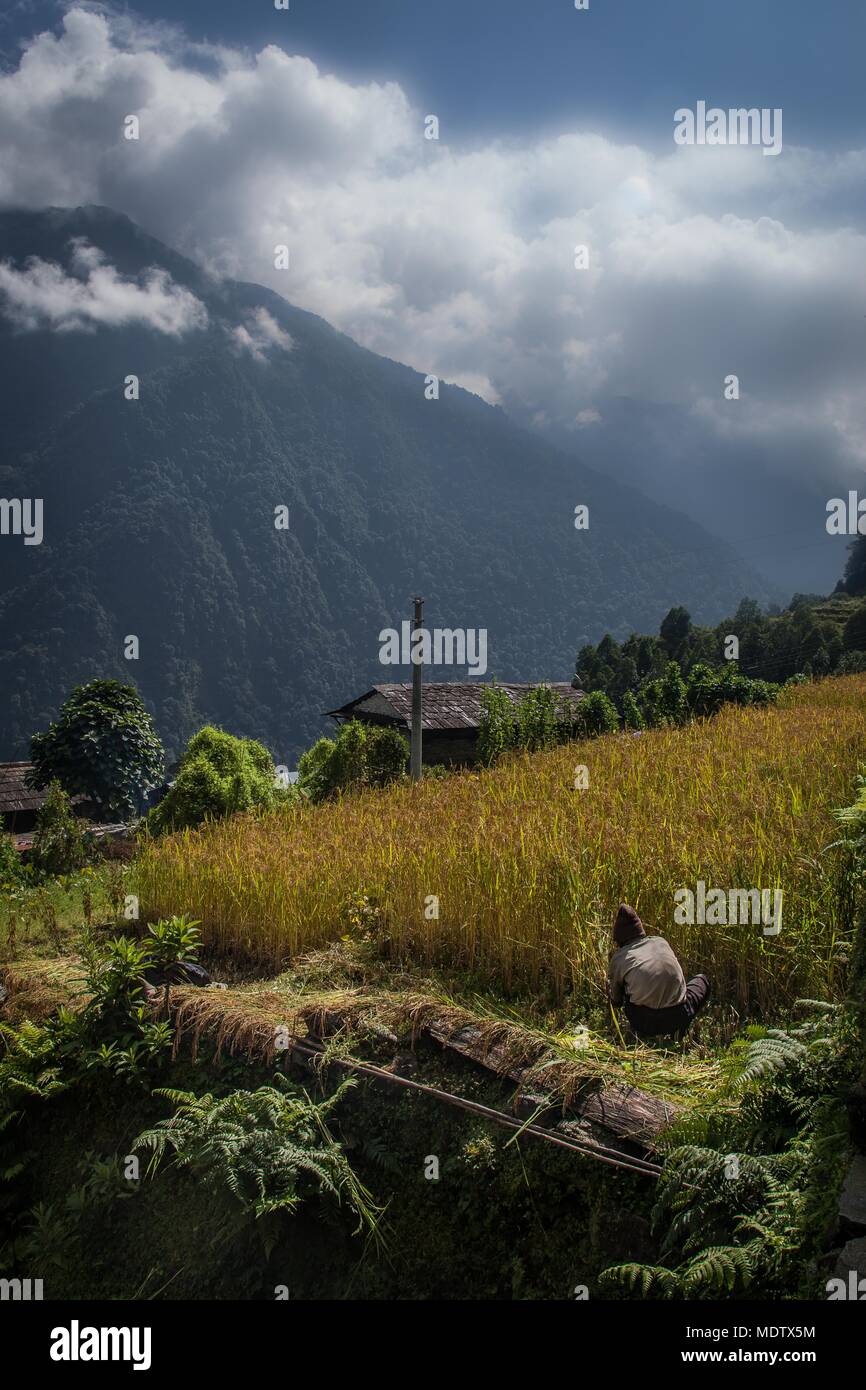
643, 1280
378, 1150
268, 1147
770, 1054
719, 1270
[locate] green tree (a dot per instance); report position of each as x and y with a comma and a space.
854, 578
349, 759
103, 746
649, 703
674, 704
855, 630
674, 631
665, 700
218, 776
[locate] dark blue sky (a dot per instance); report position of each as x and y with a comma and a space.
488, 66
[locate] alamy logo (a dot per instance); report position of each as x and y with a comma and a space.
738, 126
846, 518
854, 1290
444, 646
77, 1343
722, 907
20, 1290
22, 516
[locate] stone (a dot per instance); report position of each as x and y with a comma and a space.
852, 1203
852, 1260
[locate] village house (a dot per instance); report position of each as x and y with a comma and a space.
451, 714
19, 802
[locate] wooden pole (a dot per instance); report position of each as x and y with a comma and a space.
415, 746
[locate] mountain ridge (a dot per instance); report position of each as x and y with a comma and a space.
159, 514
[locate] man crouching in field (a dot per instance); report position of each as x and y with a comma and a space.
645, 977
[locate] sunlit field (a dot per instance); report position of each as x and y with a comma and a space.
528, 870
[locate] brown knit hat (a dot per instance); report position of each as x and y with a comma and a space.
628, 926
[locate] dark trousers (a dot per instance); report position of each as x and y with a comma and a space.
658, 1023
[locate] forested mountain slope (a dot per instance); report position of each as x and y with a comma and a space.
159, 512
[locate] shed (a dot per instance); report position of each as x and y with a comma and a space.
451, 712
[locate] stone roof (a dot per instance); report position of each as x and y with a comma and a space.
446, 704
15, 793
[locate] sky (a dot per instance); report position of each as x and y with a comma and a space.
500, 66
457, 255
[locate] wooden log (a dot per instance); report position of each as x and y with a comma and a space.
621, 1110
627, 1112
614, 1110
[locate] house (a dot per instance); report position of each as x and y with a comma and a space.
19, 802
451, 713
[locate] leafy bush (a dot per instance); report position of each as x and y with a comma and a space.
58, 840
631, 713
103, 746
497, 730
673, 695
172, 940
218, 776
361, 755
113, 979
596, 715
536, 721
11, 867
537, 724
708, 689
316, 771
387, 751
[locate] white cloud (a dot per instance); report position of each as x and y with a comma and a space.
43, 294
703, 261
260, 333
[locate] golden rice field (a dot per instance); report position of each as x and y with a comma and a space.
528, 871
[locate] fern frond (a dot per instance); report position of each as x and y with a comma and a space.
643, 1279
721, 1269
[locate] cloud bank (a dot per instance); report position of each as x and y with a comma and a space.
42, 294
701, 263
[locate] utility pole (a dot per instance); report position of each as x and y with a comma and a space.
415, 747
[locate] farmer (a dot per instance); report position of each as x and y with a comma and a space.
645, 977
